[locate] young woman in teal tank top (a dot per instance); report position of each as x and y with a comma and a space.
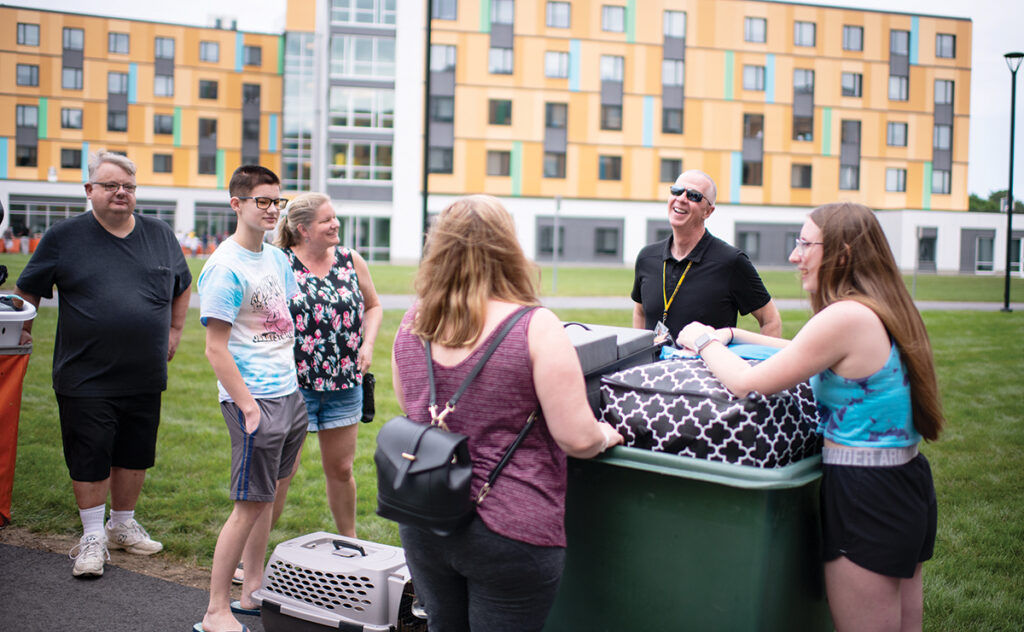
867, 354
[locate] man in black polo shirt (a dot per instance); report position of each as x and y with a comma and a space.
693, 275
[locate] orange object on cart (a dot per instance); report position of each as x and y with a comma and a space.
13, 364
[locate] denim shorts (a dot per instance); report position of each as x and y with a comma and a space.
333, 409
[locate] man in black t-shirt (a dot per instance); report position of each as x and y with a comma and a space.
693, 275
124, 292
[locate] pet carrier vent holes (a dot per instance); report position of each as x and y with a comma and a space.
326, 590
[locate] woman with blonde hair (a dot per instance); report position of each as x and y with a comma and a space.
502, 570
867, 355
337, 316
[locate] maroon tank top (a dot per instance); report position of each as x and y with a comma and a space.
527, 502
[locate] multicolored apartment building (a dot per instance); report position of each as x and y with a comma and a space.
577, 113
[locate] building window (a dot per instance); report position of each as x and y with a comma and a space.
753, 128
896, 134
898, 88
800, 177
753, 78
611, 117
851, 82
675, 24
439, 160
753, 173
499, 61
672, 72
546, 240
71, 78
755, 30
803, 81
896, 180
849, 177
251, 131
499, 163
252, 55
442, 58
207, 89
444, 10
853, 37
71, 118
442, 109
26, 116
207, 165
670, 169
209, 51
117, 121
671, 120
499, 112
750, 243
945, 45
556, 115
377, 11
613, 19
117, 83
163, 85
163, 124
609, 167
28, 75
556, 65
612, 68
554, 164
117, 43
943, 92
368, 107
940, 181
71, 158
899, 42
28, 34
606, 241
361, 161
26, 156
162, 163
559, 15
803, 33
365, 57
74, 39
163, 48
942, 137
208, 129
502, 12
251, 94
984, 253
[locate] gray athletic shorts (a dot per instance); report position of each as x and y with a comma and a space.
260, 459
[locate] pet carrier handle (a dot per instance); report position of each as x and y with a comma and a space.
340, 544
566, 325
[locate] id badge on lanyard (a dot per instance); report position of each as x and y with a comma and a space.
661, 332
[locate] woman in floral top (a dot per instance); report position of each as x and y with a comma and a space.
337, 315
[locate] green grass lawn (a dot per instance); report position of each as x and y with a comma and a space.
973, 583
618, 281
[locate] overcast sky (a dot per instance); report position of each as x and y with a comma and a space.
997, 29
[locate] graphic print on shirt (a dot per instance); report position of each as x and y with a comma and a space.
269, 301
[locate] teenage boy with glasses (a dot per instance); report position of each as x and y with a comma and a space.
124, 290
693, 275
243, 293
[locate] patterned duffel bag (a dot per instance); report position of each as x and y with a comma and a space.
679, 407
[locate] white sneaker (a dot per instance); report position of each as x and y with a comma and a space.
90, 556
131, 537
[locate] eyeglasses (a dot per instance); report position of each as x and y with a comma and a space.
802, 244
691, 194
112, 187
263, 203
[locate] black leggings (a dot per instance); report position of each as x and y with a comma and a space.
478, 580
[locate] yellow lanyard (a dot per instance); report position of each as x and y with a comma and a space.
668, 299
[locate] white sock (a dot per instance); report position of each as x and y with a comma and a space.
92, 520
117, 517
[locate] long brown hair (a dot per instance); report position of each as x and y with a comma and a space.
858, 265
472, 255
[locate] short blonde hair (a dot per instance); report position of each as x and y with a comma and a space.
102, 156
472, 255
301, 211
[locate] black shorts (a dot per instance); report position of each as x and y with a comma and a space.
880, 518
100, 432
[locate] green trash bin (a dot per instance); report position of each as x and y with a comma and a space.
663, 542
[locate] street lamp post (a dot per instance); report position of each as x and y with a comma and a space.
1013, 63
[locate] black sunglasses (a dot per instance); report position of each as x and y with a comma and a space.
691, 194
